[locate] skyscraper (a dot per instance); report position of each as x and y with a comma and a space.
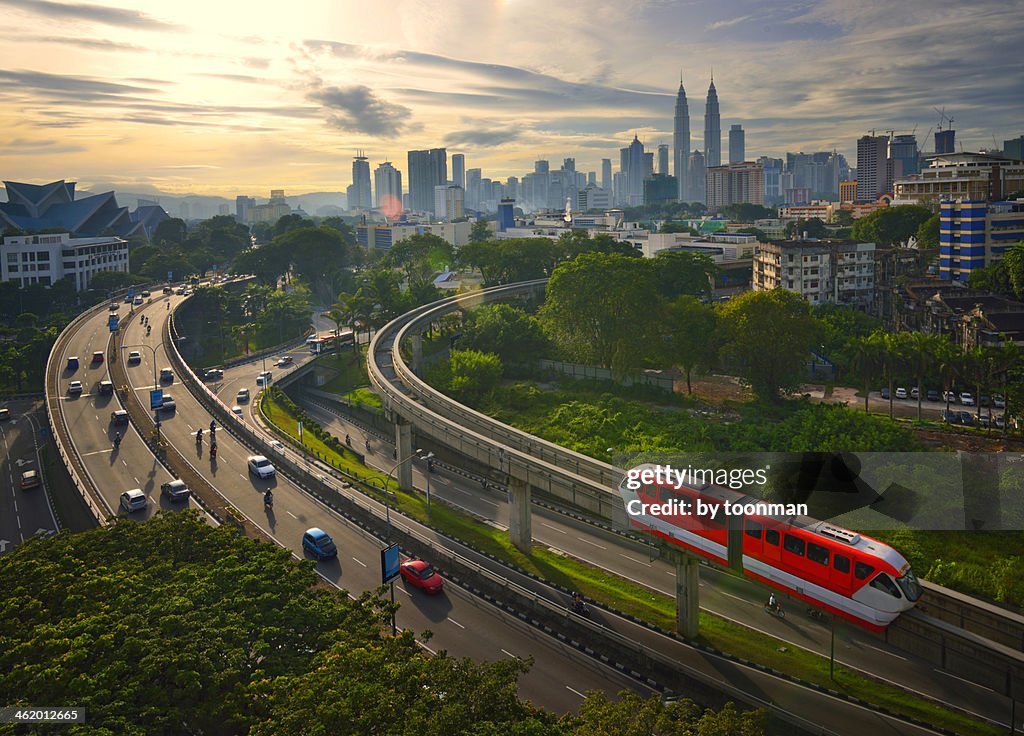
359, 193
734, 184
606, 174
680, 140
448, 201
427, 169
712, 129
635, 171
737, 144
473, 197
663, 159
873, 172
387, 181
903, 156
459, 169
695, 177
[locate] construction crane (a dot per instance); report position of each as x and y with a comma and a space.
942, 117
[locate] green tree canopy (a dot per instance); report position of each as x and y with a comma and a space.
467, 375
769, 336
505, 330
692, 336
680, 272
746, 212
508, 261
891, 225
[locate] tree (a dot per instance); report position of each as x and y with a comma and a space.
505, 330
467, 375
923, 351
994, 277
761, 235
814, 227
480, 232
866, 356
632, 715
508, 261
1013, 260
843, 218
170, 232
769, 336
746, 212
676, 227
891, 225
692, 339
680, 272
287, 223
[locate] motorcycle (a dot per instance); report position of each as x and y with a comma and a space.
775, 610
579, 606
148, 330
268, 499
213, 452
117, 441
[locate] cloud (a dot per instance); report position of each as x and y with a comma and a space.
359, 110
480, 138
94, 13
728, 22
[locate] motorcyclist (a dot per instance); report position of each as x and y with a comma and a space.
578, 605
773, 604
213, 450
199, 436
348, 440
213, 425
268, 498
117, 439
367, 445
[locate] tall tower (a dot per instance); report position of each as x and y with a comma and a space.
737, 145
681, 139
663, 159
459, 169
388, 185
427, 169
712, 128
359, 195
606, 174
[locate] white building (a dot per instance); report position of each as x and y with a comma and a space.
840, 272
45, 259
448, 202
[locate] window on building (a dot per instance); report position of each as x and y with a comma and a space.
43, 255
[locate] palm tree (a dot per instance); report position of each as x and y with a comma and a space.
949, 358
339, 317
866, 361
923, 349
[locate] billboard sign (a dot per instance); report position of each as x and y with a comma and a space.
390, 561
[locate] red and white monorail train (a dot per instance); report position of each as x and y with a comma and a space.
848, 574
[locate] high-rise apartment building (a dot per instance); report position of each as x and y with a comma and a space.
734, 184
737, 145
1014, 148
848, 191
975, 234
681, 140
242, 206
772, 168
427, 169
874, 176
606, 174
387, 181
473, 198
663, 159
359, 191
448, 201
459, 169
712, 129
695, 177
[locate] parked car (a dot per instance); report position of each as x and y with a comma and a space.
950, 417
1001, 421
319, 544
901, 393
966, 399
97, 357
119, 417
998, 401
134, 357
932, 395
260, 467
242, 396
175, 490
949, 396
133, 500
885, 393
967, 419
30, 479
984, 420
75, 388
914, 393
285, 360
422, 575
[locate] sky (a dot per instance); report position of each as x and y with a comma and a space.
222, 97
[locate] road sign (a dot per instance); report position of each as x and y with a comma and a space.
170, 275
131, 292
156, 398
112, 322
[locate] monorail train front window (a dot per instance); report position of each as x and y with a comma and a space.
884, 583
909, 585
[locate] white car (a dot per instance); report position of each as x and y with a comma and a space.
133, 500
966, 399
285, 360
175, 490
242, 396
75, 387
237, 411
901, 393
264, 378
260, 466
134, 357
277, 445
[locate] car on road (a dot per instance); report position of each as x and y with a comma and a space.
277, 445
237, 411
166, 375
901, 393
422, 575
932, 395
180, 291
175, 490
133, 500
30, 479
213, 374
967, 419
97, 357
319, 544
260, 467
950, 417
966, 399
885, 393
5, 414
168, 404
134, 357
264, 378
75, 388
242, 396
119, 417
998, 401
106, 388
114, 306
73, 363
145, 293
168, 289
285, 360
137, 301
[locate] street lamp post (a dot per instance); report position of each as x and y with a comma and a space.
387, 502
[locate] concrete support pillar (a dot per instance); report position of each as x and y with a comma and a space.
403, 443
417, 352
520, 531
687, 595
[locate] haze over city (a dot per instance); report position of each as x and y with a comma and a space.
220, 98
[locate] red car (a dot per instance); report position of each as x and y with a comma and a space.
422, 575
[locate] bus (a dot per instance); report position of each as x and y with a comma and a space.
329, 342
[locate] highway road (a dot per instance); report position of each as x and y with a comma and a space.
460, 623
23, 512
736, 599
132, 465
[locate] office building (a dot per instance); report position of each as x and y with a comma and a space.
382, 237
473, 178
737, 145
448, 201
276, 208
634, 171
826, 271
945, 141
427, 169
46, 259
848, 191
593, 198
740, 183
506, 215
660, 188
459, 169
387, 182
695, 190
874, 175
975, 234
903, 157
967, 176
606, 174
712, 129
1014, 148
663, 159
359, 195
772, 168
53, 206
681, 140
242, 206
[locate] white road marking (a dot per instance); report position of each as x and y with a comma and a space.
633, 559
510, 654
560, 531
574, 690
974, 684
456, 623
359, 561
744, 600
595, 544
292, 515
97, 452
891, 654
136, 479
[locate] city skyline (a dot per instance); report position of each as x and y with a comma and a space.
207, 99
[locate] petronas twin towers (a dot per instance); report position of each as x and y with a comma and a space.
690, 183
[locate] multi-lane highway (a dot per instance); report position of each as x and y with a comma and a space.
24, 512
